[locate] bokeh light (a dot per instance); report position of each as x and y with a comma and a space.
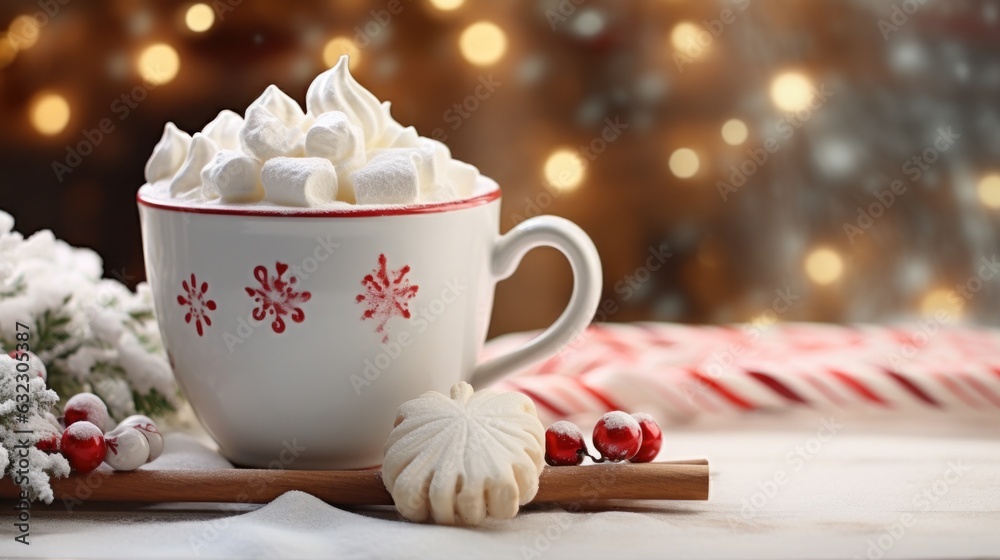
23, 32
940, 299
447, 5
564, 169
339, 46
8, 52
684, 38
159, 64
989, 190
824, 266
483, 43
791, 91
684, 163
49, 113
199, 18
734, 132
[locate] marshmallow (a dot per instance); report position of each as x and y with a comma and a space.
232, 175
168, 155
334, 137
306, 182
346, 126
388, 178
274, 126
443, 192
189, 177
431, 157
462, 177
225, 130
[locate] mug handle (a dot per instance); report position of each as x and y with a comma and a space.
571, 241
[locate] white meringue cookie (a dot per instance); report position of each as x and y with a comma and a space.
388, 178
274, 126
232, 176
304, 182
224, 130
334, 137
456, 460
168, 155
199, 155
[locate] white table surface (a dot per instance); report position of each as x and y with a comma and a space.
920, 488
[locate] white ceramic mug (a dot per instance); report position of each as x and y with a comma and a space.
296, 334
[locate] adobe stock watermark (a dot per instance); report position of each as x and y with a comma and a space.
463, 109
121, 107
899, 15
628, 286
795, 460
590, 493
922, 501
914, 168
421, 319
214, 528
589, 152
721, 361
24, 31
694, 45
963, 293
786, 127
223, 7
247, 326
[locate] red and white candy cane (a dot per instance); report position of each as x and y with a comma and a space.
682, 371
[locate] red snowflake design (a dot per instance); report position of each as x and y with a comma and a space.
196, 300
387, 295
277, 296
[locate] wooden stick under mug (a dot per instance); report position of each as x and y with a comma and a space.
674, 480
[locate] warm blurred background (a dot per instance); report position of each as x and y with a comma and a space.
866, 207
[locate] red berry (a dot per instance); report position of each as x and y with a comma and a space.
83, 446
86, 407
49, 444
617, 436
652, 438
564, 444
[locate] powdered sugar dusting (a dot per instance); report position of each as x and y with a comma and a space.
84, 430
565, 428
619, 420
643, 417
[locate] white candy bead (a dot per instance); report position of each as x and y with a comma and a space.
128, 448
303, 182
147, 428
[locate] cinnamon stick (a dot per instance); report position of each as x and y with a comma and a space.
677, 480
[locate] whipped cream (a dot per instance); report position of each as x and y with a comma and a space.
345, 148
